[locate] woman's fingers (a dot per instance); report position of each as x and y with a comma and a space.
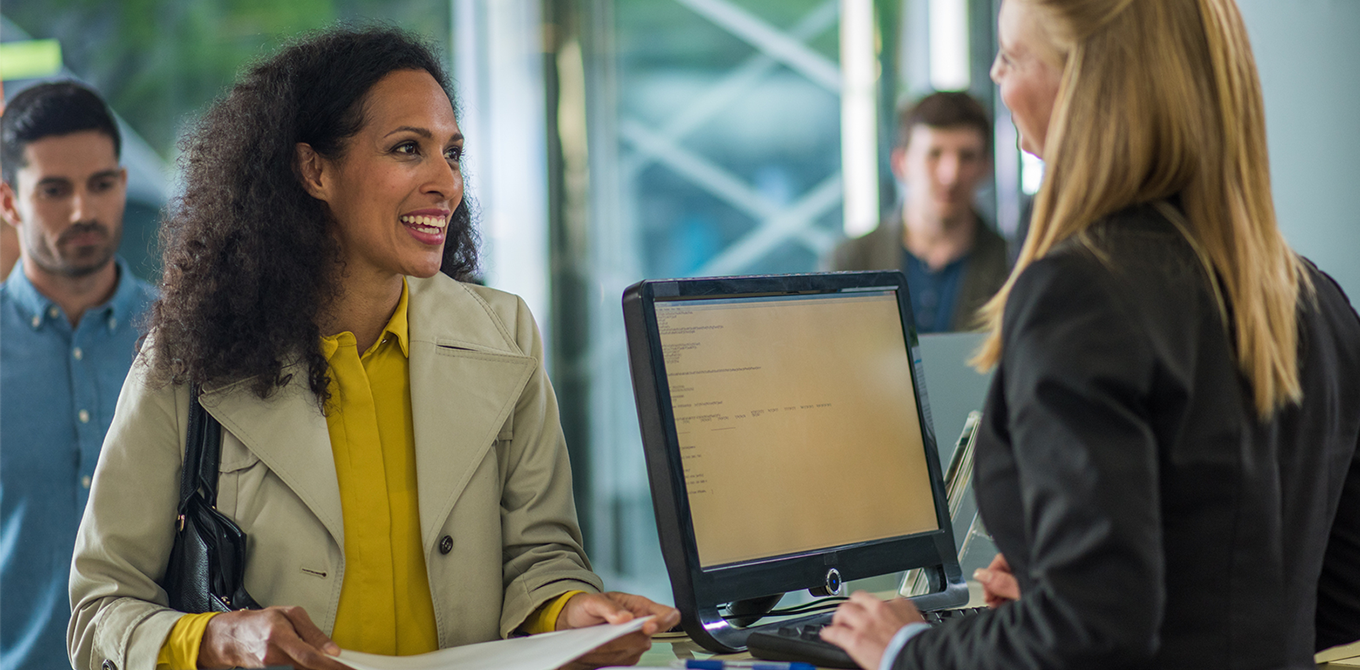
999, 586
308, 631
272, 636
864, 625
589, 609
641, 606
292, 650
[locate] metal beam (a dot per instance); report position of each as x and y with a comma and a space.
770, 40
699, 170
797, 217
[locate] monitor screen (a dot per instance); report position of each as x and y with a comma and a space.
787, 439
782, 403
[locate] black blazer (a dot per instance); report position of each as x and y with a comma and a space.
1151, 520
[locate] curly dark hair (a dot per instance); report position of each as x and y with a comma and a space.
250, 260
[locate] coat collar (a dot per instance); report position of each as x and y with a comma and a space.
466, 374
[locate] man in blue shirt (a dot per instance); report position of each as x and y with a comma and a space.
67, 338
953, 261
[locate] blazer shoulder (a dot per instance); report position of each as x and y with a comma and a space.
1071, 279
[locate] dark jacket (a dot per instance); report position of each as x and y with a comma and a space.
1151, 519
881, 249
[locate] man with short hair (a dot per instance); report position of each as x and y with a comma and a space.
67, 339
953, 260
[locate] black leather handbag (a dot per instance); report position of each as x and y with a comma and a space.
207, 565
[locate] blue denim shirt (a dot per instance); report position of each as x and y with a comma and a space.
58, 389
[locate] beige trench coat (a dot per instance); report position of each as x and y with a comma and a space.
491, 468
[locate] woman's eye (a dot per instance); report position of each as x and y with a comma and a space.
453, 154
406, 148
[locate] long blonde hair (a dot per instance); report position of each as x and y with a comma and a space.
1161, 98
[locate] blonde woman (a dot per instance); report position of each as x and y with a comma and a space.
1168, 462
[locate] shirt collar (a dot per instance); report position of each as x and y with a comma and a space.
396, 326
124, 303
38, 307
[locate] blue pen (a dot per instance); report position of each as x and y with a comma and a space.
742, 665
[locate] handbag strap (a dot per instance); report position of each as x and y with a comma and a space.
202, 455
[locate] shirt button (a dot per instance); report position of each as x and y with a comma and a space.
445, 544
52, 312
78, 353
37, 320
113, 323
85, 481
84, 416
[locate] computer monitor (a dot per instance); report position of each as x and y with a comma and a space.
788, 439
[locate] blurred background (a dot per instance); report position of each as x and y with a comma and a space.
614, 140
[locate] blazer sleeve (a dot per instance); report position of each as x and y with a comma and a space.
120, 615
1076, 375
543, 551
1337, 619
1338, 597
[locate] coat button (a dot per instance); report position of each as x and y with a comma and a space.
108, 665
445, 544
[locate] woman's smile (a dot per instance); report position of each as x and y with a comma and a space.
428, 226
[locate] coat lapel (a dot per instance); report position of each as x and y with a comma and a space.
288, 432
466, 375
467, 372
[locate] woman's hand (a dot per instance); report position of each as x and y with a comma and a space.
864, 625
589, 609
998, 584
271, 636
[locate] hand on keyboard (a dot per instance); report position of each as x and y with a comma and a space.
805, 643
864, 625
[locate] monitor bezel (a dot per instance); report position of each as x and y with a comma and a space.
699, 591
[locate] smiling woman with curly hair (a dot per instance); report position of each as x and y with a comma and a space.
250, 256
390, 440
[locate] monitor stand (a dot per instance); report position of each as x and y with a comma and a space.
743, 613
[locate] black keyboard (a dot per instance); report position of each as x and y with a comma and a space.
804, 643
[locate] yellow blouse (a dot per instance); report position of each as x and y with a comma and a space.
385, 603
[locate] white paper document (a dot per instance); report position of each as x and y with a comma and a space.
535, 652
1344, 652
